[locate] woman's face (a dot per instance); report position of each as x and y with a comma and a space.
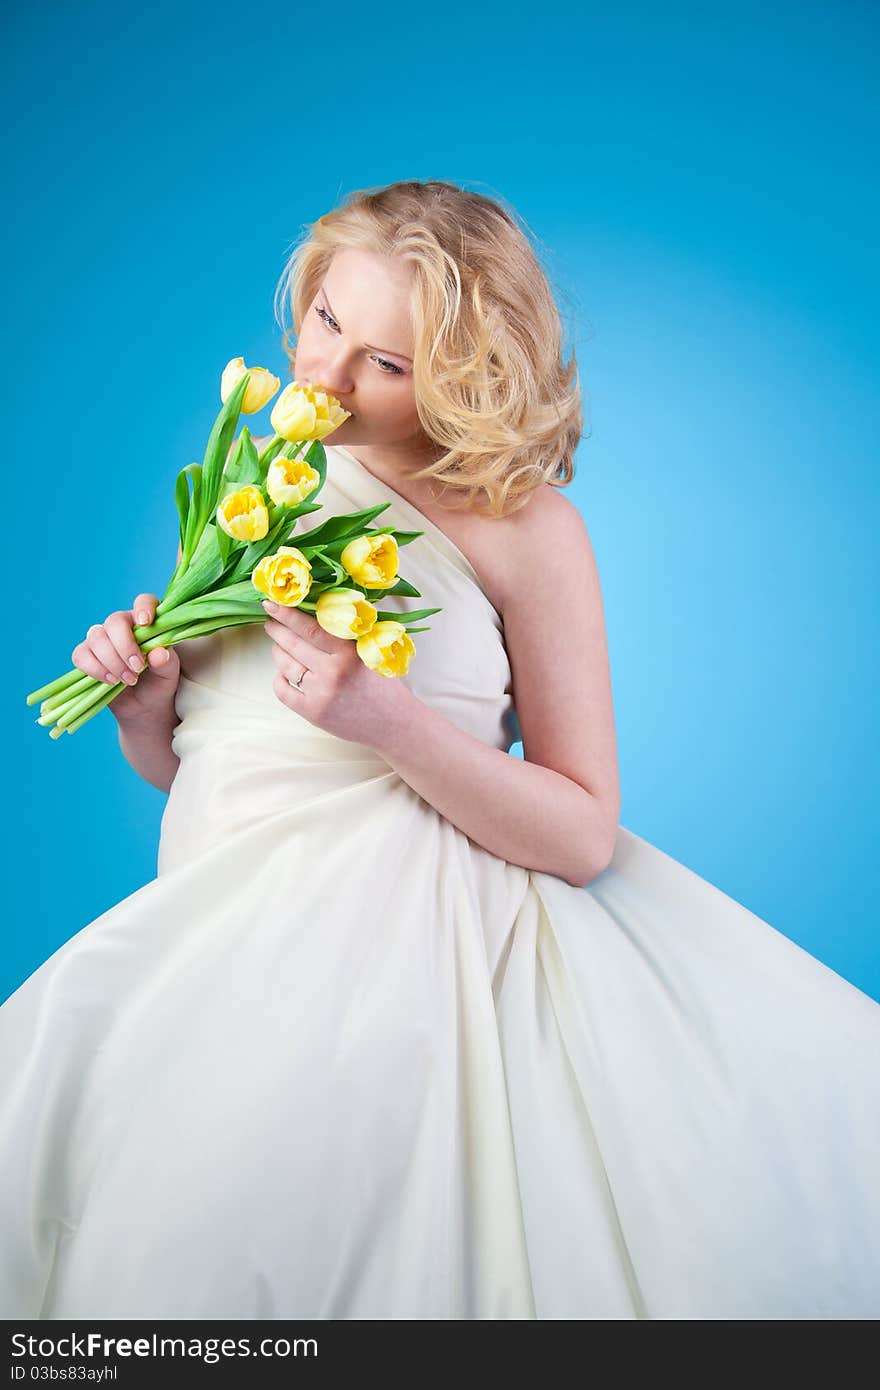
356, 340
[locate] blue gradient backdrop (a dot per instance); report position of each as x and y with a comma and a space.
701, 188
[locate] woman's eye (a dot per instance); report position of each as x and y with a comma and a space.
389, 368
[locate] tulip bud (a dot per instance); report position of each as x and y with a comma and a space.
372, 560
289, 481
344, 612
260, 389
243, 514
387, 648
304, 413
284, 577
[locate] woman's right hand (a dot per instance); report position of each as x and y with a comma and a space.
111, 654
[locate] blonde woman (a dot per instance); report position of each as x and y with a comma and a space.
406, 1027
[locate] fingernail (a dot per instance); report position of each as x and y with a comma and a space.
135, 663
143, 616
269, 606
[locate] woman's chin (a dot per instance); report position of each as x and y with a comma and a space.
341, 435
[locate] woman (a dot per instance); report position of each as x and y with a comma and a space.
406, 1027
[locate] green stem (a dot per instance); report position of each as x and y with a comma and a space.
203, 628
85, 702
62, 698
199, 609
50, 715
54, 687
264, 452
108, 695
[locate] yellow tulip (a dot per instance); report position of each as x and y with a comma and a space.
289, 481
244, 515
261, 386
345, 612
387, 648
372, 560
305, 412
284, 577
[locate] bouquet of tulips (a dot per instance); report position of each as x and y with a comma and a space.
237, 510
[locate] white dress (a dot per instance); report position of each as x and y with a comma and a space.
338, 1061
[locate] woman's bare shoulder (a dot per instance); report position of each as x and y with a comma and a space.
546, 508
547, 525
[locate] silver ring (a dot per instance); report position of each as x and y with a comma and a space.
300, 678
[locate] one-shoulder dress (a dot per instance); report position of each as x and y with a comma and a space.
336, 1060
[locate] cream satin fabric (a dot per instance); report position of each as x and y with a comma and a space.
338, 1061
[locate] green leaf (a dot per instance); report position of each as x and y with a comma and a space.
294, 513
243, 466
402, 586
271, 451
278, 512
406, 537
218, 446
232, 461
181, 497
241, 589
341, 577
320, 586
343, 527
316, 455
194, 471
235, 599
412, 616
225, 544
242, 595
204, 569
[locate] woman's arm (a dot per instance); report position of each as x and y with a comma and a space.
146, 744
524, 813
557, 810
145, 741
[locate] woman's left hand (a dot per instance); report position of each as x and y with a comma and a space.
339, 692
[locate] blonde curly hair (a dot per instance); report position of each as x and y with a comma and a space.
491, 389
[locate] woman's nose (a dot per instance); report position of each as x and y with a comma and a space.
333, 375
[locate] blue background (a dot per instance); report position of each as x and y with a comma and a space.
702, 192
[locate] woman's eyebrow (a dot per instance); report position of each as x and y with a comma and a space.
389, 351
